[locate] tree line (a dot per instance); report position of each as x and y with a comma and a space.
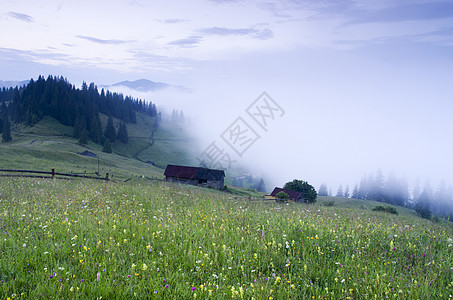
72, 106
395, 190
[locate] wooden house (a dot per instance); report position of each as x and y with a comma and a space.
195, 176
294, 196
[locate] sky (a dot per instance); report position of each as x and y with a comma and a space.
351, 86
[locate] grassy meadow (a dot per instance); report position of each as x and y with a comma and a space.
85, 239
49, 144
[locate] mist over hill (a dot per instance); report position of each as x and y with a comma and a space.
12, 83
145, 85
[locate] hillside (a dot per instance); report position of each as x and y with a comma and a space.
139, 237
49, 144
147, 239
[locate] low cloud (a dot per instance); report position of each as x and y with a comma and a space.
172, 21
410, 12
101, 41
20, 16
261, 34
190, 41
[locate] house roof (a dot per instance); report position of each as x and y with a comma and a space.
292, 194
181, 172
193, 173
88, 153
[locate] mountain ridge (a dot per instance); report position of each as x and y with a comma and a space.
146, 85
12, 83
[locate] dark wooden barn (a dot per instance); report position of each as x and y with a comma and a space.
195, 176
295, 196
88, 153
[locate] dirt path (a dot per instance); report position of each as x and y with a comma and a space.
149, 145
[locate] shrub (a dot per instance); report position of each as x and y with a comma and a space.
387, 209
329, 203
309, 194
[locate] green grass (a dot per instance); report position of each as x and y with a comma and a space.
150, 239
49, 144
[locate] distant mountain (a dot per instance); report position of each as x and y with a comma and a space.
145, 85
8, 84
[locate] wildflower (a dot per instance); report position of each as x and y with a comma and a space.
82, 280
155, 291
98, 277
144, 267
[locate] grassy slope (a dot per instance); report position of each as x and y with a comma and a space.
168, 241
344, 249
49, 144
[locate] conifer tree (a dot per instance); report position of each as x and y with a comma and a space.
323, 190
110, 132
423, 203
6, 130
346, 192
355, 192
107, 147
340, 191
83, 137
122, 134
79, 125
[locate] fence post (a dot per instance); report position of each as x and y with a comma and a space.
106, 176
53, 174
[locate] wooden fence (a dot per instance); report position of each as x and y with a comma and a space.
44, 174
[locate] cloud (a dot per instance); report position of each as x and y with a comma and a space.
411, 12
261, 34
101, 41
19, 16
224, 1
190, 41
171, 21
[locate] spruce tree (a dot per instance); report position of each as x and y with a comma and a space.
107, 147
323, 190
79, 125
95, 129
355, 192
423, 203
260, 186
122, 136
83, 137
340, 191
346, 192
6, 130
110, 132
